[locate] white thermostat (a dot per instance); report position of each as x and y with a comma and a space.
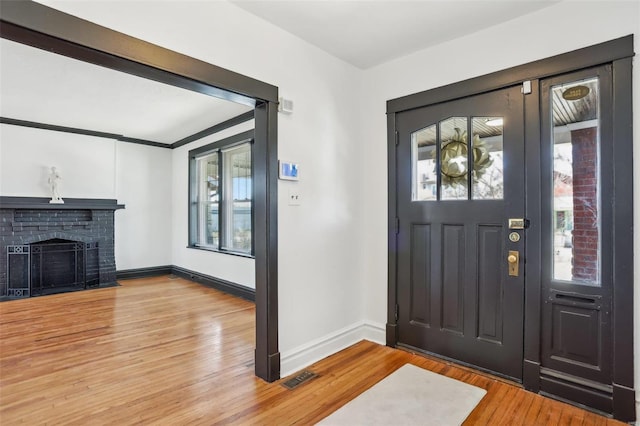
288, 170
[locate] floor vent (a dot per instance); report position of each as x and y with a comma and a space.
298, 379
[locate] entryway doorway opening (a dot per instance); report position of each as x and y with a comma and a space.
37, 25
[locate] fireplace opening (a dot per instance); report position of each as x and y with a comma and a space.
58, 265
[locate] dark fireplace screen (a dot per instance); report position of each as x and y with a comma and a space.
54, 266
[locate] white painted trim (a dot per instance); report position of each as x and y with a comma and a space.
375, 332
582, 125
298, 358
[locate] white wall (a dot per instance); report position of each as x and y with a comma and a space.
239, 270
321, 292
91, 167
143, 185
535, 36
86, 164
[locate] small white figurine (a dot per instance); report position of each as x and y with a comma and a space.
54, 177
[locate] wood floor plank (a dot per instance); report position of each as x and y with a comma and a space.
168, 351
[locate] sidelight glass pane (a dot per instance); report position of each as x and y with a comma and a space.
576, 182
454, 150
424, 180
208, 200
238, 190
487, 176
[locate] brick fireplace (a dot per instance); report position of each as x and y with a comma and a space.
50, 248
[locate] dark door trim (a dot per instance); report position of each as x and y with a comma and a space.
618, 53
623, 383
598, 54
46, 28
40, 26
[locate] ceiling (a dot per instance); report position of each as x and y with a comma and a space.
368, 33
43, 87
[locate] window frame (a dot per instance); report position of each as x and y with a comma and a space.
193, 194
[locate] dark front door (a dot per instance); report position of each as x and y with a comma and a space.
460, 269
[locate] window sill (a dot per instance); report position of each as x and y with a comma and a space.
232, 253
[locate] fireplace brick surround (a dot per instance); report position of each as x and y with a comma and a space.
28, 220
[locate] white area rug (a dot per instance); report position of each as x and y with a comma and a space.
410, 396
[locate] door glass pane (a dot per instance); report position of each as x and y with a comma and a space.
454, 152
576, 182
238, 185
423, 159
208, 199
488, 165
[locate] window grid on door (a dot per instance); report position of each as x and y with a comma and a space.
443, 152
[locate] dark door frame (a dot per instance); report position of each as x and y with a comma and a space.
40, 26
618, 53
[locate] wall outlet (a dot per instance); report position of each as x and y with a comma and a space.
294, 197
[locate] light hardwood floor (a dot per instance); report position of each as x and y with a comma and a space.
168, 351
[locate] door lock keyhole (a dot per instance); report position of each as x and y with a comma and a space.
514, 259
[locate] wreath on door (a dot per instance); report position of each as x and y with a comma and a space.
454, 159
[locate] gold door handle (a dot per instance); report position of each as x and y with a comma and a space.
513, 258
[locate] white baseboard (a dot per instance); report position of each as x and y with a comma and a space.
375, 332
298, 358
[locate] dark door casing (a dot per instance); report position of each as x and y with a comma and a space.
40, 26
577, 339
